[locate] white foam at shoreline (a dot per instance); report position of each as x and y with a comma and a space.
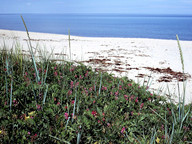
130, 52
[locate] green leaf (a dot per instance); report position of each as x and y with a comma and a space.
99, 111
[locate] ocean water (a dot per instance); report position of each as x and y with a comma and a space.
104, 25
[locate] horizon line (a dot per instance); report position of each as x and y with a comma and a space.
140, 14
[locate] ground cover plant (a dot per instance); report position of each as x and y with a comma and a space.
42, 101
70, 103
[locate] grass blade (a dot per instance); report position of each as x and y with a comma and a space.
159, 115
69, 44
74, 104
172, 133
78, 137
11, 96
100, 84
67, 123
45, 94
60, 139
31, 51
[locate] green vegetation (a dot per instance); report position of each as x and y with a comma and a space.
71, 103
48, 102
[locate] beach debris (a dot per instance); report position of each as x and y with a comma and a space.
118, 70
141, 75
97, 61
171, 74
132, 68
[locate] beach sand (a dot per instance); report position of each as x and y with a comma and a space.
137, 58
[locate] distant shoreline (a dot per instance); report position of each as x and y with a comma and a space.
118, 14
92, 36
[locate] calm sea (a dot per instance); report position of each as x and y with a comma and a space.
104, 25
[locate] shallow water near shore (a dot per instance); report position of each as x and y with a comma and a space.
104, 25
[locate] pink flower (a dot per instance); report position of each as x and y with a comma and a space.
93, 101
5, 103
73, 102
151, 94
126, 97
103, 114
71, 70
80, 77
65, 107
141, 106
90, 89
163, 137
66, 115
55, 73
69, 92
104, 88
129, 84
185, 128
94, 113
86, 74
76, 85
99, 121
168, 109
58, 103
162, 127
116, 93
103, 119
123, 130
28, 133
116, 98
132, 97
72, 84
136, 100
38, 107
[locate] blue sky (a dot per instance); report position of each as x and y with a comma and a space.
97, 6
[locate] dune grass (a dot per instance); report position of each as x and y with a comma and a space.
49, 102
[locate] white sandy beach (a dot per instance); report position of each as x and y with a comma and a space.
136, 58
